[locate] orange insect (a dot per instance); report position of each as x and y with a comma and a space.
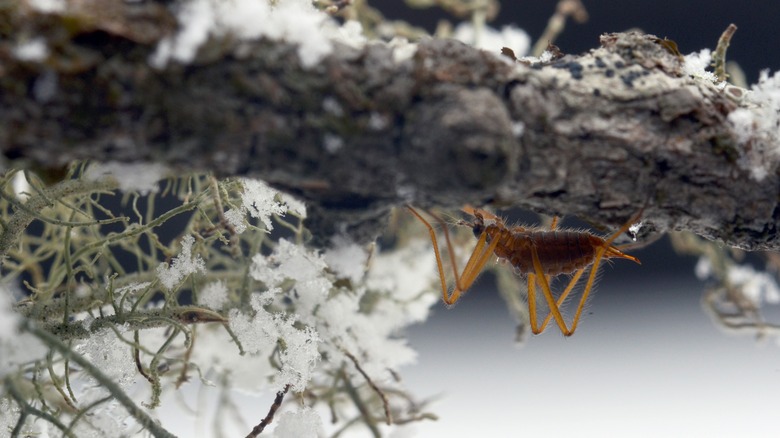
540, 254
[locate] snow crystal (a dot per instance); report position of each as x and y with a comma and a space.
48, 6
347, 259
332, 143
216, 354
181, 266
493, 40
32, 50
757, 126
214, 295
260, 332
237, 219
111, 356
758, 287
295, 21
696, 65
303, 423
140, 177
21, 186
703, 269
402, 49
294, 262
350, 33
299, 355
332, 106
259, 200
294, 205
16, 348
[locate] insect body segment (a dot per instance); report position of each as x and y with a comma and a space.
539, 254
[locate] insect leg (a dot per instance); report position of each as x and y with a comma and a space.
556, 312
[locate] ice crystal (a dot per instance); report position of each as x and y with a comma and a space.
181, 266
214, 295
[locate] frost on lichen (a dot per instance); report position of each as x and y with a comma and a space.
695, 65
227, 303
181, 266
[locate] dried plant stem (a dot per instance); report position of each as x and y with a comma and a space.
557, 22
719, 57
257, 430
379, 392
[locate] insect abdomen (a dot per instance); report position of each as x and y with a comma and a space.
560, 252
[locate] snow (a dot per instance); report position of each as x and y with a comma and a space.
139, 177
16, 348
303, 423
260, 201
294, 21
332, 143
34, 50
756, 125
696, 64
493, 40
237, 219
260, 333
48, 6
181, 266
758, 287
347, 259
214, 295
111, 356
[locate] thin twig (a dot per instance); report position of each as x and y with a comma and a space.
557, 22
257, 430
388, 415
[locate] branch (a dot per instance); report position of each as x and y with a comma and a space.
598, 135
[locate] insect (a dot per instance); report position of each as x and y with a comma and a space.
539, 254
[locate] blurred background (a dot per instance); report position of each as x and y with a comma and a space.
647, 360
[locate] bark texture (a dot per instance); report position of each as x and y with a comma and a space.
599, 135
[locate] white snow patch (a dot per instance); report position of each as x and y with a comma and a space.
214, 295
34, 50
696, 64
140, 177
16, 348
494, 40
48, 6
294, 21
347, 259
756, 126
303, 423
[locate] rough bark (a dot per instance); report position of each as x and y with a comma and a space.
600, 135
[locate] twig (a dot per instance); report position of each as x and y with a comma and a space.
257, 430
388, 415
557, 22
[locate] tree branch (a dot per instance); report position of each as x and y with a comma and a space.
598, 135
